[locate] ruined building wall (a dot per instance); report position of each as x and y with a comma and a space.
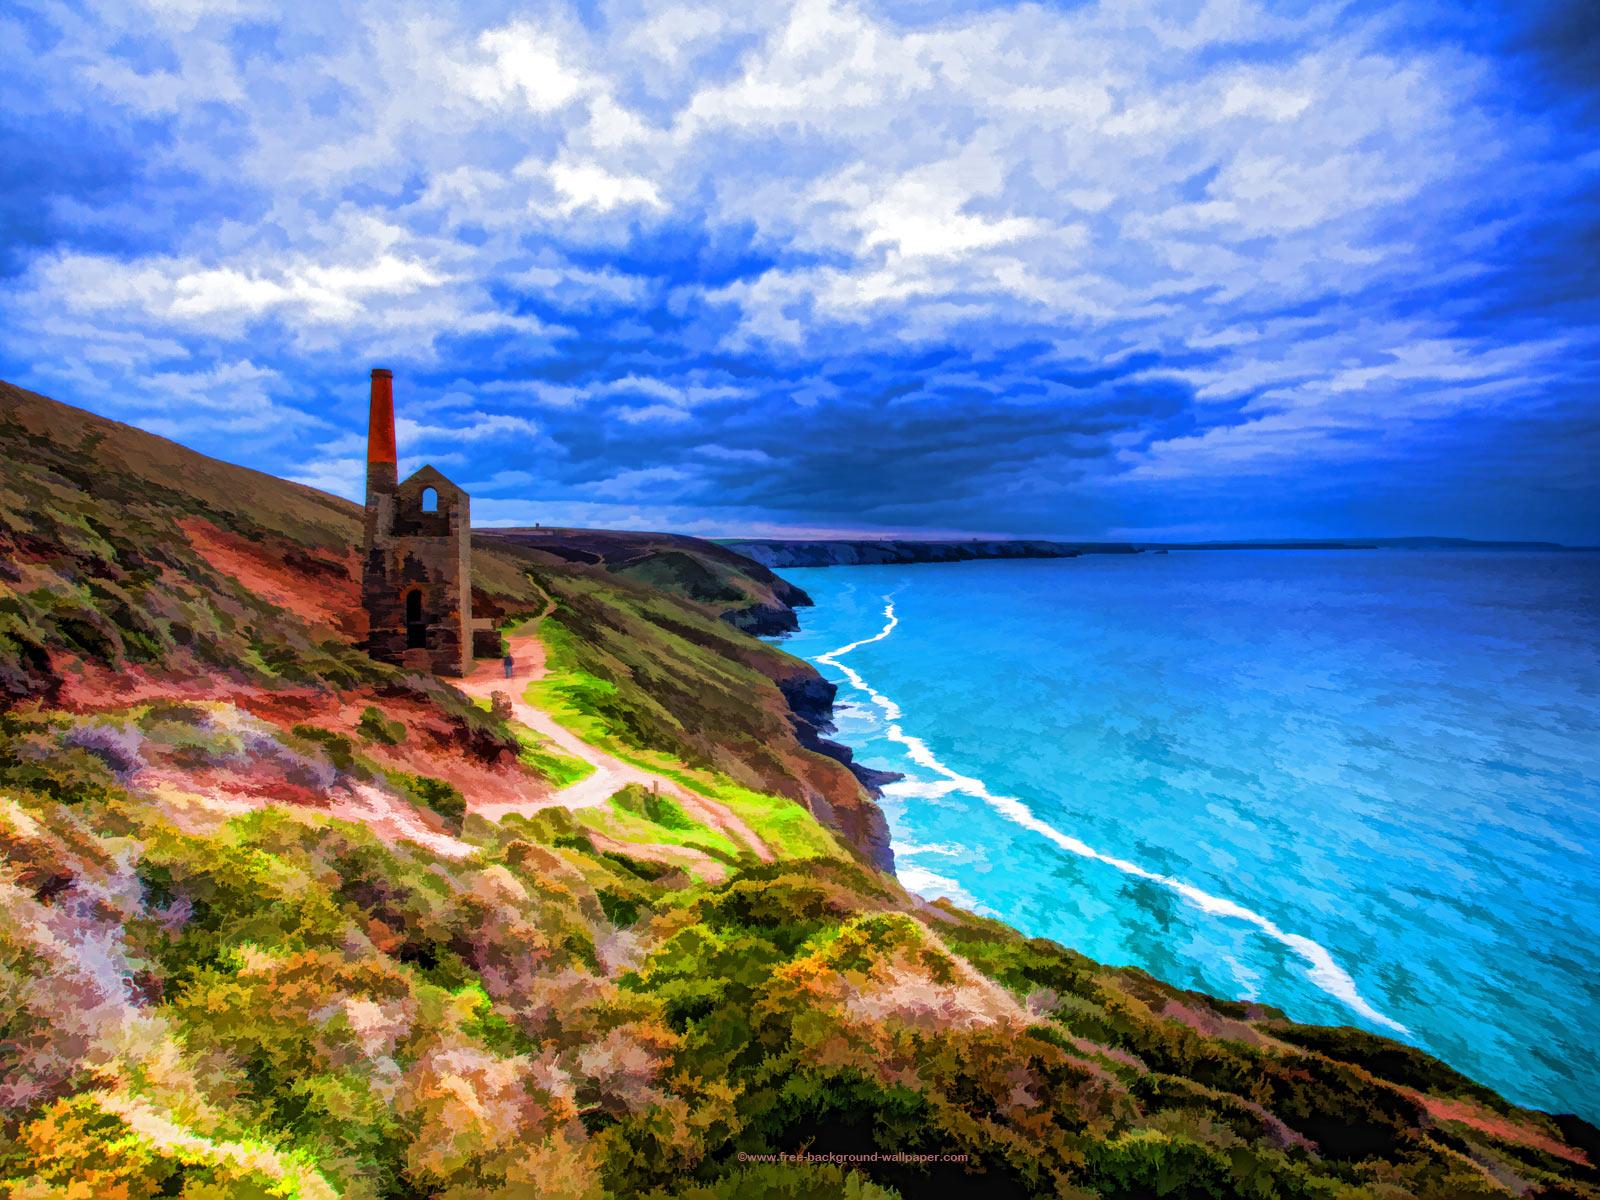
416, 564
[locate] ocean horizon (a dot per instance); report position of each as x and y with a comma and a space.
1360, 787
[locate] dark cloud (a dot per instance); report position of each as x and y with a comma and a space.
1363, 302
1563, 37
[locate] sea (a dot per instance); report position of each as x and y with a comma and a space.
1360, 786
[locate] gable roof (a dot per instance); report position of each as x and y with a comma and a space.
426, 477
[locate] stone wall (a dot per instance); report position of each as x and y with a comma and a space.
416, 576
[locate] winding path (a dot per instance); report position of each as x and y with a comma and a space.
611, 774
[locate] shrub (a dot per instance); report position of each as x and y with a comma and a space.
77, 1144
175, 712
376, 727
654, 807
780, 1181
619, 909
340, 750
118, 746
480, 733
1146, 1162
443, 798
33, 758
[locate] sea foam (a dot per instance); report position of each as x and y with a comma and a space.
1321, 968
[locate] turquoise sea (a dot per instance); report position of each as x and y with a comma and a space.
1363, 787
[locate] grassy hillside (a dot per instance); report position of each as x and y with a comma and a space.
131, 566
256, 939
744, 593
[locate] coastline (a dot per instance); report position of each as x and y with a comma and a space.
1311, 951
776, 554
810, 697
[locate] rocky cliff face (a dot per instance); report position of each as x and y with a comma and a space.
810, 698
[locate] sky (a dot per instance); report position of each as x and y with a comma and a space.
1133, 270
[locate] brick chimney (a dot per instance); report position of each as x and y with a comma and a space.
382, 473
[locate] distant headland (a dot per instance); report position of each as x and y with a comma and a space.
876, 551
841, 552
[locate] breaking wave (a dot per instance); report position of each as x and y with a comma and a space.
1321, 968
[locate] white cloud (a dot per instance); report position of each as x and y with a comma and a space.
1105, 177
503, 479
480, 427
1349, 411
520, 65
653, 483
566, 282
1252, 98
732, 454
662, 413
588, 185
346, 477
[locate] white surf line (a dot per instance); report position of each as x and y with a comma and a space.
1323, 971
832, 656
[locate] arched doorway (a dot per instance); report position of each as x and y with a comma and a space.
416, 624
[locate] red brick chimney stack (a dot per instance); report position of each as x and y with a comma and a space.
382, 473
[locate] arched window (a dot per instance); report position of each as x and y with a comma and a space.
430, 500
416, 627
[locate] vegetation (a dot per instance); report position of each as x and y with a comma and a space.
543, 759
680, 694
256, 942
376, 727
737, 589
313, 1009
443, 798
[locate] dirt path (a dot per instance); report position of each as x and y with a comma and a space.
611, 774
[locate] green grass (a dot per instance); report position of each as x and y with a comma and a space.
579, 701
442, 797
626, 818
376, 727
784, 825
572, 696
539, 756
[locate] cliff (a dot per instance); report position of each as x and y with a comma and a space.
870, 552
277, 920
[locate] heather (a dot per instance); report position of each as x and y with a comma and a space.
272, 928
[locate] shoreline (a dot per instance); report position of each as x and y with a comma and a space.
777, 554
780, 553
1319, 964
1322, 965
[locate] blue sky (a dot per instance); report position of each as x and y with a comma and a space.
1138, 270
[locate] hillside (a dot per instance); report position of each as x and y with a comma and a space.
745, 593
244, 585
281, 921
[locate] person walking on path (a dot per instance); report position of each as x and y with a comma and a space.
509, 663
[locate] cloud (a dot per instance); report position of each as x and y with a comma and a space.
519, 65
586, 185
1016, 266
732, 454
658, 483
479, 427
653, 412
503, 479
344, 477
